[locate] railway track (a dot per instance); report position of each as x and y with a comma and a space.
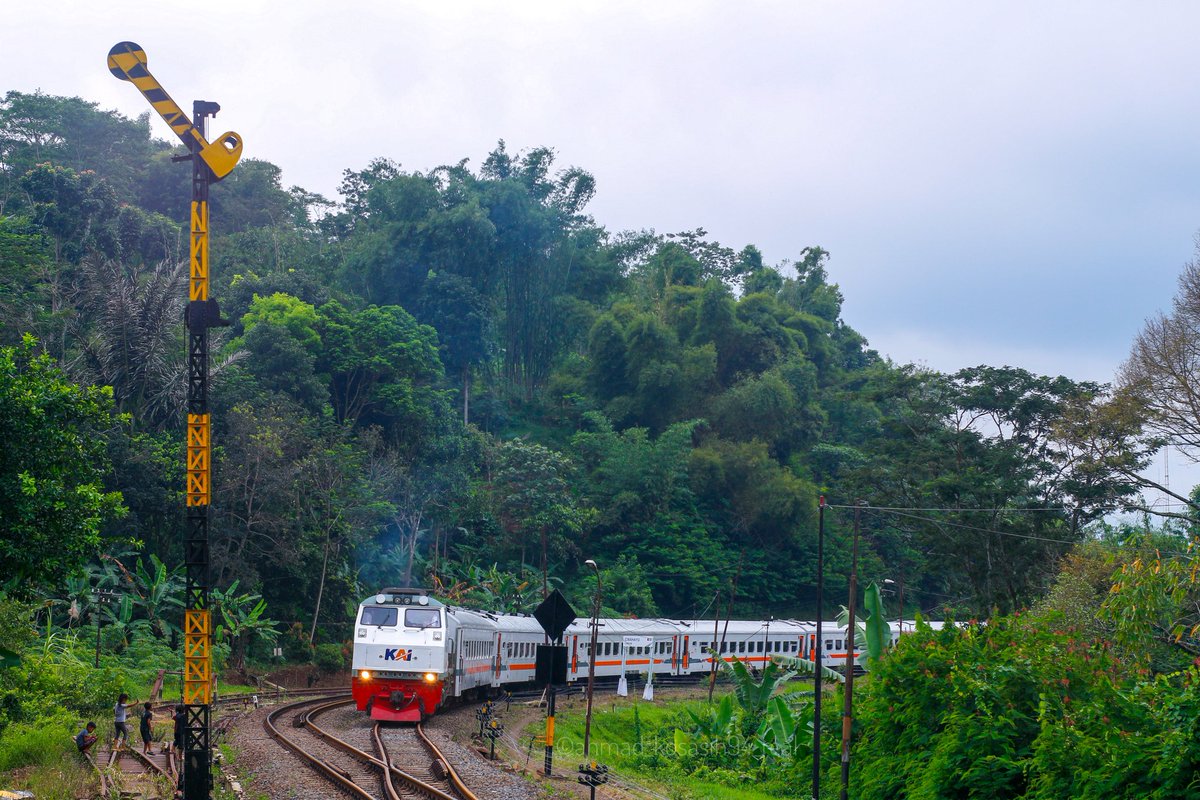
404, 764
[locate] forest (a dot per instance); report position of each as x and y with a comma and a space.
455, 377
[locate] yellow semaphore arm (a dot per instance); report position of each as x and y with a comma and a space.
127, 61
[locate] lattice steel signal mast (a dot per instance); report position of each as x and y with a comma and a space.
210, 162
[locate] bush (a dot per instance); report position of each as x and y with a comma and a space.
329, 658
43, 742
1018, 709
295, 644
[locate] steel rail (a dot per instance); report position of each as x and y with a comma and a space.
153, 767
452, 773
327, 769
389, 787
411, 781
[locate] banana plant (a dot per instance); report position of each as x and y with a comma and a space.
159, 594
122, 621
752, 693
802, 666
780, 736
872, 634
711, 726
242, 620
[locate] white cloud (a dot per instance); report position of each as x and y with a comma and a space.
1017, 180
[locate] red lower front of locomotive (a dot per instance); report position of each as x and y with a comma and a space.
397, 699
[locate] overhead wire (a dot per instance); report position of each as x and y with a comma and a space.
903, 512
956, 508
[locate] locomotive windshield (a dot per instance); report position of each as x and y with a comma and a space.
422, 618
380, 615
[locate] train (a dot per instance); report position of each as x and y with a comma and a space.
414, 654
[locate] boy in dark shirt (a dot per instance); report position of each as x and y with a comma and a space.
86, 738
144, 727
180, 726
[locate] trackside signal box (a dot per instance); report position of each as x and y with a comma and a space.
551, 664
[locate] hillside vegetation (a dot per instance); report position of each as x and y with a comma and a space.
453, 376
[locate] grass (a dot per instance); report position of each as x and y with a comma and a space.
614, 744
40, 757
66, 780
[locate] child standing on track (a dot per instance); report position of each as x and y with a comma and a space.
120, 715
144, 727
180, 720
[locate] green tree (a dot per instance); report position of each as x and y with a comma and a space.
53, 504
532, 487
383, 369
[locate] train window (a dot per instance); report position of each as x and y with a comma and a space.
839, 644
828, 645
422, 618
380, 615
741, 647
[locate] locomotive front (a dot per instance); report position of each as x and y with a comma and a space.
400, 655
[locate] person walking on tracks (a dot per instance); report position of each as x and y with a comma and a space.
120, 715
144, 726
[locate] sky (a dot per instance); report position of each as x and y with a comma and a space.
997, 183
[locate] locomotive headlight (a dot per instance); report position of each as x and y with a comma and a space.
365, 674
430, 677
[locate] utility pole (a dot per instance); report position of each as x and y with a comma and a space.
591, 773
100, 598
851, 631
210, 162
816, 764
587, 723
715, 649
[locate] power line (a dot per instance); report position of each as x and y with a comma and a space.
1058, 509
902, 513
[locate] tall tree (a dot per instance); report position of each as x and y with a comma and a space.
53, 504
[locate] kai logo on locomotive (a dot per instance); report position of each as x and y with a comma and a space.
397, 654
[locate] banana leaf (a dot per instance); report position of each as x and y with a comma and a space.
8, 658
878, 633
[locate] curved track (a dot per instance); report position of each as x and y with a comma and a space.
419, 770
